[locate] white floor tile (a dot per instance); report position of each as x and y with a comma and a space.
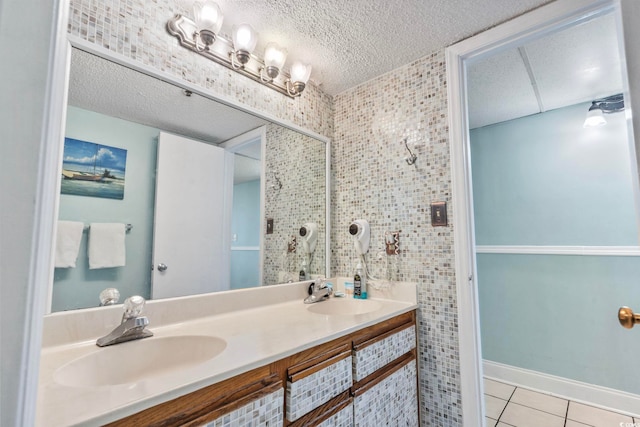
540, 401
501, 424
493, 406
498, 389
522, 416
490, 422
571, 423
595, 417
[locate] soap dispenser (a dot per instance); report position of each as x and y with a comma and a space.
303, 271
360, 283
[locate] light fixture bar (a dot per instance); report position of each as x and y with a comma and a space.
220, 52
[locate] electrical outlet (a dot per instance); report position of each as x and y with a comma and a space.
291, 246
392, 242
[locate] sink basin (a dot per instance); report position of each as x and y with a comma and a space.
136, 360
344, 306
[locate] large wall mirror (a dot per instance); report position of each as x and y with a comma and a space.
211, 198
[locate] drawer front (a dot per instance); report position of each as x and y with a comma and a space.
369, 358
311, 391
266, 411
391, 402
344, 418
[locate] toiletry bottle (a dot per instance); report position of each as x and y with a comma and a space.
359, 283
303, 271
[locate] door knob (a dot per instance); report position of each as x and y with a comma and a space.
162, 267
627, 317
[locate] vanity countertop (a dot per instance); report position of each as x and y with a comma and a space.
259, 325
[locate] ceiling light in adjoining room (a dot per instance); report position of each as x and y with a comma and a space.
610, 104
202, 36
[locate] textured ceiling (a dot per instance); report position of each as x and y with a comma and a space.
579, 64
350, 42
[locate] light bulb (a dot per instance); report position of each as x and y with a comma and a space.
208, 16
274, 57
244, 38
300, 72
595, 117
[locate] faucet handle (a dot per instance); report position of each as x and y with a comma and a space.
109, 296
133, 306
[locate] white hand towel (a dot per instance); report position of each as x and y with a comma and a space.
68, 239
106, 245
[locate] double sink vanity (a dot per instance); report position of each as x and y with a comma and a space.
255, 356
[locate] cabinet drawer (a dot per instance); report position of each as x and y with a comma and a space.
309, 388
379, 351
391, 400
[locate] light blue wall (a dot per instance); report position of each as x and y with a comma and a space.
545, 180
245, 225
79, 287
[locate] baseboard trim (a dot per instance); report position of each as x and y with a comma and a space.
589, 394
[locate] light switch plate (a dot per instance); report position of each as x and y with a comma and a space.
439, 214
269, 225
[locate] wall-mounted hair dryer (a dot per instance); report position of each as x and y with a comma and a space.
361, 233
309, 234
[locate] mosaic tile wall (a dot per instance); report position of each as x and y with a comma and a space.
137, 30
371, 358
312, 391
391, 402
263, 412
298, 162
371, 180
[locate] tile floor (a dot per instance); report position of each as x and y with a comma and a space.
510, 406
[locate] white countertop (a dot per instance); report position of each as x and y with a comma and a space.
259, 325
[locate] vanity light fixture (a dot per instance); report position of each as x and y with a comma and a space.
202, 35
610, 104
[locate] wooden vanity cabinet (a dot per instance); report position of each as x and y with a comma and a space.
366, 378
238, 396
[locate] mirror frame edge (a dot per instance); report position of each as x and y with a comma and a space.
536, 23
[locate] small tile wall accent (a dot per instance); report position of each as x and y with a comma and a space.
298, 161
392, 402
312, 391
373, 357
371, 180
137, 30
344, 418
263, 412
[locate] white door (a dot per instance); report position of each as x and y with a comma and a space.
192, 212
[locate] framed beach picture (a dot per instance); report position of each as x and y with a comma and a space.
94, 170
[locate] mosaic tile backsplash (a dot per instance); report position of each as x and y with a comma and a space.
262, 412
137, 30
298, 162
391, 402
308, 393
371, 180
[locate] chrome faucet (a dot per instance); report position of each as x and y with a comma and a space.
132, 326
319, 292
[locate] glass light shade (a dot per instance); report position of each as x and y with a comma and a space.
300, 72
274, 56
244, 37
208, 16
595, 117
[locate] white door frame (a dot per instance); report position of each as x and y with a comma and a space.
542, 21
233, 146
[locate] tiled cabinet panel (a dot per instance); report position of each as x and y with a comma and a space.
390, 400
312, 387
379, 351
343, 418
261, 411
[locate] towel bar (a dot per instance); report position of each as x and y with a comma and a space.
127, 227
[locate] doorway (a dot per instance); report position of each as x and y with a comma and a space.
527, 255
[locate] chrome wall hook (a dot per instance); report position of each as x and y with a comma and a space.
411, 158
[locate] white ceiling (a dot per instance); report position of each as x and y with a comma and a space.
350, 42
576, 65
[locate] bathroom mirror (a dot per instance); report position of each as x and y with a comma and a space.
274, 181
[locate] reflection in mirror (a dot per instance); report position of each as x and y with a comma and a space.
110, 174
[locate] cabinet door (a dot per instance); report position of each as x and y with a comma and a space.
390, 399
